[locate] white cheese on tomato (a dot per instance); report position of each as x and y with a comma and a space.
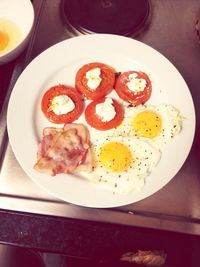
106, 110
136, 84
93, 78
62, 104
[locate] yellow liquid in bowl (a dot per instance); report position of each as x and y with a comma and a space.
10, 35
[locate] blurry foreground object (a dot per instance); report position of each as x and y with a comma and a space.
145, 258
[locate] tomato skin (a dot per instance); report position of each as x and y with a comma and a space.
135, 98
95, 121
62, 90
106, 85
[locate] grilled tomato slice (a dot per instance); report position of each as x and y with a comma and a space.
62, 104
133, 87
104, 114
95, 80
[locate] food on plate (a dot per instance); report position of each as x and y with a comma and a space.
133, 87
62, 104
158, 123
104, 114
64, 150
122, 164
126, 136
95, 80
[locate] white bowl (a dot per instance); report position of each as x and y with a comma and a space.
21, 14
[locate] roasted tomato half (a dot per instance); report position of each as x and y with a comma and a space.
62, 104
133, 87
95, 80
105, 121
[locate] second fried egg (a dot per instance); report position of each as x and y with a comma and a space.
122, 164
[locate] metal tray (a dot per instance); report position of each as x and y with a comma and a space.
176, 206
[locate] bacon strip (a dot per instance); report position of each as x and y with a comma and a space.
64, 150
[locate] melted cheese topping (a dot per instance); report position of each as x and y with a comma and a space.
93, 78
61, 104
136, 84
106, 110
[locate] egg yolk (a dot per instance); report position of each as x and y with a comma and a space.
147, 124
115, 157
3, 40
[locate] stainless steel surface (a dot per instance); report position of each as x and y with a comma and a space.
176, 206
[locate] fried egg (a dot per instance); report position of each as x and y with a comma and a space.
156, 123
122, 164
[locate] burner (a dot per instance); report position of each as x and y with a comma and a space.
122, 17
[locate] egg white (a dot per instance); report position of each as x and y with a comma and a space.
145, 155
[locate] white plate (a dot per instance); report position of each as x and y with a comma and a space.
59, 64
